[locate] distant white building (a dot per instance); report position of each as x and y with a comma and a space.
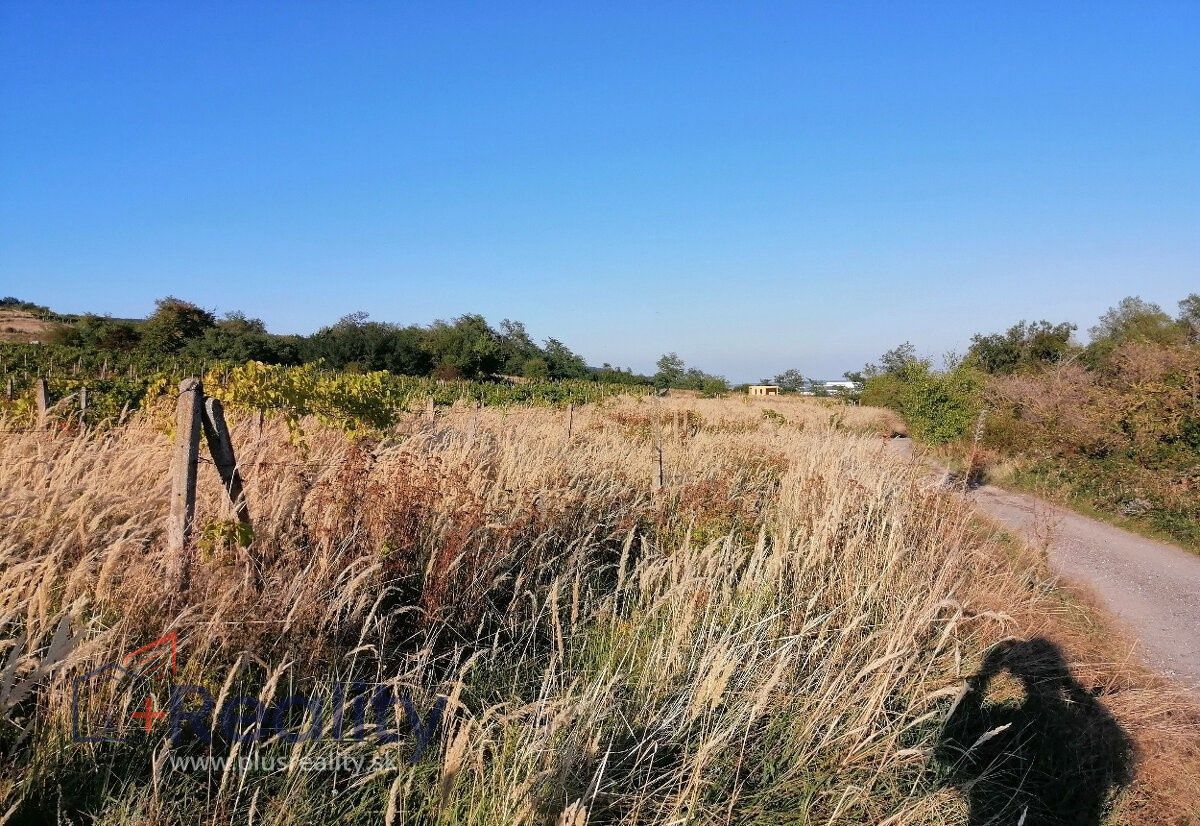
831, 388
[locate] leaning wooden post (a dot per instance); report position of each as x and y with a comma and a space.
183, 482
220, 445
43, 403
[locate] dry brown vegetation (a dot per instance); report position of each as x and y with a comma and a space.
1123, 438
775, 633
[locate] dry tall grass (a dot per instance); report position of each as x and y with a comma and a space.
774, 634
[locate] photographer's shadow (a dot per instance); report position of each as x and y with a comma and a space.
1055, 756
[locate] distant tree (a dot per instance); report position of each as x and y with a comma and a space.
894, 362
370, 345
884, 383
670, 371
467, 345
1189, 317
608, 374
516, 347
714, 386
12, 303
789, 381
561, 362
1131, 320
231, 343
173, 323
98, 333
1023, 345
238, 322
1135, 320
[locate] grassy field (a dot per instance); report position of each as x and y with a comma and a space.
653, 611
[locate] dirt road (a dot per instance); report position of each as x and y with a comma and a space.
1152, 587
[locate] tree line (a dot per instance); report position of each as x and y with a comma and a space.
466, 347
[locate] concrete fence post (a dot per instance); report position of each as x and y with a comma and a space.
183, 483
220, 445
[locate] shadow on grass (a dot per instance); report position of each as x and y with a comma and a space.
1054, 756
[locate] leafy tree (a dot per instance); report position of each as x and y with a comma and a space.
238, 322
98, 333
1131, 320
714, 385
562, 362
467, 345
370, 345
173, 323
1135, 320
12, 303
1023, 345
893, 362
884, 383
223, 343
670, 371
516, 348
790, 381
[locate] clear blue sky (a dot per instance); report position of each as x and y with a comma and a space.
756, 186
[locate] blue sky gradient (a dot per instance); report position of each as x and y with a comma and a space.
756, 186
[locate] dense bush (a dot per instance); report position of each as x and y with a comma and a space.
938, 406
1124, 438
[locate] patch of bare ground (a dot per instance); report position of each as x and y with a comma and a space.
18, 326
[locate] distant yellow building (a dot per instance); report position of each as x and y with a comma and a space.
764, 390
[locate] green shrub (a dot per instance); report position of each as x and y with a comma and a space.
940, 407
884, 390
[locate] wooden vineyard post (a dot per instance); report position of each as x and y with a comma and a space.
83, 400
570, 420
43, 405
220, 445
183, 483
429, 410
658, 444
